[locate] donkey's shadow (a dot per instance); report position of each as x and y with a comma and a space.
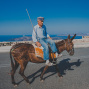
63, 65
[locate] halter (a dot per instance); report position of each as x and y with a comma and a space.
69, 46
65, 43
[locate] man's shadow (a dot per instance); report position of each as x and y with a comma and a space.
66, 65
63, 66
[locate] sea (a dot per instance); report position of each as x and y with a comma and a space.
10, 38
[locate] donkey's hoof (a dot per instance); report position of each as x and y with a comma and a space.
9, 73
41, 80
61, 76
15, 85
28, 83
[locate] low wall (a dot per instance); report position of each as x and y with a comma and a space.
77, 44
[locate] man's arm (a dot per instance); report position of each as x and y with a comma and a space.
34, 38
48, 36
38, 44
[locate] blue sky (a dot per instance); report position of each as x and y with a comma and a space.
61, 16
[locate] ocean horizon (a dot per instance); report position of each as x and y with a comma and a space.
10, 38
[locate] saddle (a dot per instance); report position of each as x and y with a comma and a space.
39, 52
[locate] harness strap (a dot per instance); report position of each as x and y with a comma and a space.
65, 43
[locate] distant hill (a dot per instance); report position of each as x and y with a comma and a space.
54, 37
78, 34
25, 38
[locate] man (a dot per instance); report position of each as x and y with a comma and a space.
41, 37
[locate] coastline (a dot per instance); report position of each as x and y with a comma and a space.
78, 43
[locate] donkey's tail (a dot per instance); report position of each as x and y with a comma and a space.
12, 63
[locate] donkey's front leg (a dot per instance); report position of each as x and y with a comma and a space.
41, 77
57, 69
21, 72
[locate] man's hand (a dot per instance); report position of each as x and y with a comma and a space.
50, 38
38, 44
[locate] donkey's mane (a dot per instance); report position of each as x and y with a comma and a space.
60, 43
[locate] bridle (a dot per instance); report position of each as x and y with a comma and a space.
65, 43
69, 46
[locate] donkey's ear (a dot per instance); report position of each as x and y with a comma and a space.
73, 37
68, 36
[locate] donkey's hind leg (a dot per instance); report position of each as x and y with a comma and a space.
41, 77
13, 72
21, 71
57, 69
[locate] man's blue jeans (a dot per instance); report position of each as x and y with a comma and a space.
44, 43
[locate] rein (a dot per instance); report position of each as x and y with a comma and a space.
62, 43
66, 45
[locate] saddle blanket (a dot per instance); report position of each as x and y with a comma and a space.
39, 52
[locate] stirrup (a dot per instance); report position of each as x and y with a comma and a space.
54, 62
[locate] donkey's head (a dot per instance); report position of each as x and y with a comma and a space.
69, 45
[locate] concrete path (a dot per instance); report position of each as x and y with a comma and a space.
75, 71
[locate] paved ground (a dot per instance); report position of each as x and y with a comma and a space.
75, 71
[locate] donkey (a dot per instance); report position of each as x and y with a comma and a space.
22, 53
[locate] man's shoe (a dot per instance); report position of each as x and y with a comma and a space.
58, 55
54, 62
48, 63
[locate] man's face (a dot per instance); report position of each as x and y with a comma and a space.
40, 23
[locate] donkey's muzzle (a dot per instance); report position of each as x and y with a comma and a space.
71, 53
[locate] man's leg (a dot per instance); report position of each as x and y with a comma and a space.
45, 50
52, 45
